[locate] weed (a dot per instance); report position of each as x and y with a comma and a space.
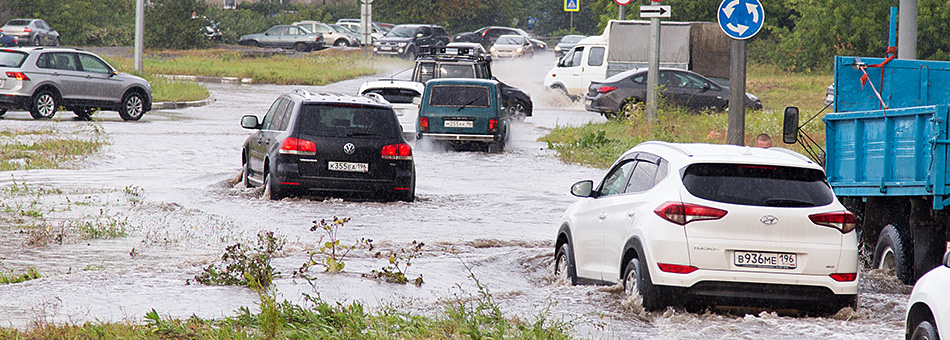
399, 262
17, 278
331, 253
244, 265
102, 226
44, 235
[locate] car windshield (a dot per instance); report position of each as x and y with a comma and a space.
401, 32
459, 95
456, 71
395, 96
346, 120
18, 22
571, 39
509, 40
10, 58
758, 185
304, 29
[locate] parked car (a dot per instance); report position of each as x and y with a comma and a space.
512, 46
464, 112
7, 40
565, 44
400, 94
336, 36
34, 32
43, 79
707, 225
682, 87
328, 145
928, 311
377, 32
475, 48
487, 36
285, 36
407, 40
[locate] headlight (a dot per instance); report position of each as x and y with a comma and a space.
557, 48
520, 49
375, 48
492, 48
402, 44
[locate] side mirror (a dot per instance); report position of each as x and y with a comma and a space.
790, 125
705, 87
266, 33
250, 122
583, 188
417, 100
946, 259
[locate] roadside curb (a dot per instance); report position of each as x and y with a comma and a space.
205, 79
182, 105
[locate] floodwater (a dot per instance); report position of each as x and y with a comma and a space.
170, 182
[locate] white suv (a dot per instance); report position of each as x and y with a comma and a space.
928, 311
701, 224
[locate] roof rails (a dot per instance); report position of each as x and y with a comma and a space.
451, 52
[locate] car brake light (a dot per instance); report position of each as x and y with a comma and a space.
676, 268
492, 125
606, 89
682, 213
27, 30
844, 277
17, 75
400, 151
297, 146
844, 221
424, 124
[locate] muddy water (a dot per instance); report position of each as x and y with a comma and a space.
169, 181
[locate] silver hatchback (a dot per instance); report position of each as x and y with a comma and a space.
43, 79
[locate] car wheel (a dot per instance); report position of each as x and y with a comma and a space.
44, 105
517, 112
563, 90
564, 269
300, 47
253, 43
246, 174
341, 43
409, 195
132, 106
496, 147
894, 253
3, 111
626, 109
925, 330
636, 281
55, 41
35, 41
272, 190
411, 54
83, 113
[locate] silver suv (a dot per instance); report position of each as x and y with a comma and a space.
43, 79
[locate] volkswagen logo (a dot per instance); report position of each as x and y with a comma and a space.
768, 220
349, 148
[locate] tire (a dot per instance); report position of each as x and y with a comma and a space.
636, 280
272, 190
411, 54
3, 112
55, 41
253, 43
894, 252
564, 264
132, 106
517, 112
341, 43
301, 47
44, 104
83, 113
246, 174
925, 330
410, 195
35, 41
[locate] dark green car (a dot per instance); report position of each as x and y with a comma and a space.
464, 112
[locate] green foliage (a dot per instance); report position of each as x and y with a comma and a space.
171, 25
399, 262
244, 265
30, 274
102, 226
331, 253
81, 22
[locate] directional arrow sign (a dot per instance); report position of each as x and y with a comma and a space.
741, 19
654, 11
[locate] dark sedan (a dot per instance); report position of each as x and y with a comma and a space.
487, 36
7, 40
681, 87
566, 44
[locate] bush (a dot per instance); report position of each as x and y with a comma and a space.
169, 24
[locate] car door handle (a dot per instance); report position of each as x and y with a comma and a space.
632, 213
602, 216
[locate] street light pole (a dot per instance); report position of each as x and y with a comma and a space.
139, 35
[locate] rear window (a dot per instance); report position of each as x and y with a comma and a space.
458, 95
343, 120
10, 58
396, 96
758, 185
18, 22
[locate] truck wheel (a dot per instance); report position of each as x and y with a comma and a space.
894, 253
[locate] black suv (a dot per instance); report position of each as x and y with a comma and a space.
329, 145
449, 62
406, 40
487, 36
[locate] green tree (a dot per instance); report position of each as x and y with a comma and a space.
169, 24
81, 22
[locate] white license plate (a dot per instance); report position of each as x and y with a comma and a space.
765, 260
348, 167
459, 124
385, 48
588, 102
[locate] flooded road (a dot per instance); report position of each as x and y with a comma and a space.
168, 183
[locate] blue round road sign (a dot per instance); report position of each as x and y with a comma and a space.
741, 19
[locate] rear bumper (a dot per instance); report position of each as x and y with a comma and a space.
347, 187
459, 137
14, 102
601, 104
761, 295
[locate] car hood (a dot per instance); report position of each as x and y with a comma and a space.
393, 40
252, 36
133, 79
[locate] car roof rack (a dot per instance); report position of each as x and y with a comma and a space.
449, 53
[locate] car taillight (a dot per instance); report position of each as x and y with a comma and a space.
606, 89
17, 75
492, 125
27, 30
297, 146
676, 268
682, 213
424, 124
844, 221
400, 151
844, 277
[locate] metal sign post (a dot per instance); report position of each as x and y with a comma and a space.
623, 7
740, 20
139, 36
653, 75
366, 22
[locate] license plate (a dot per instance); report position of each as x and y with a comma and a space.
765, 260
348, 167
459, 124
588, 102
385, 48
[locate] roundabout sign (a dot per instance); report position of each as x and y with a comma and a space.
741, 19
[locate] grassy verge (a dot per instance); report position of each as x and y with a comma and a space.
48, 149
599, 144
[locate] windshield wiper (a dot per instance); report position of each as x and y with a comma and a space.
469, 103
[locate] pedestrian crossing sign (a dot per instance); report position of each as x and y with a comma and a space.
572, 5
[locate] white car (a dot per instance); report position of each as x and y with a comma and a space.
400, 94
701, 224
928, 311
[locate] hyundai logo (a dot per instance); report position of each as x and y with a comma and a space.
349, 148
768, 220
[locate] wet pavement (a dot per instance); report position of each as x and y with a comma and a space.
170, 182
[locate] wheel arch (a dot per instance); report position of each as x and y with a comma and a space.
632, 249
48, 86
564, 237
140, 90
917, 313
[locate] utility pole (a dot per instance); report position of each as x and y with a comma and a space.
139, 35
907, 40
